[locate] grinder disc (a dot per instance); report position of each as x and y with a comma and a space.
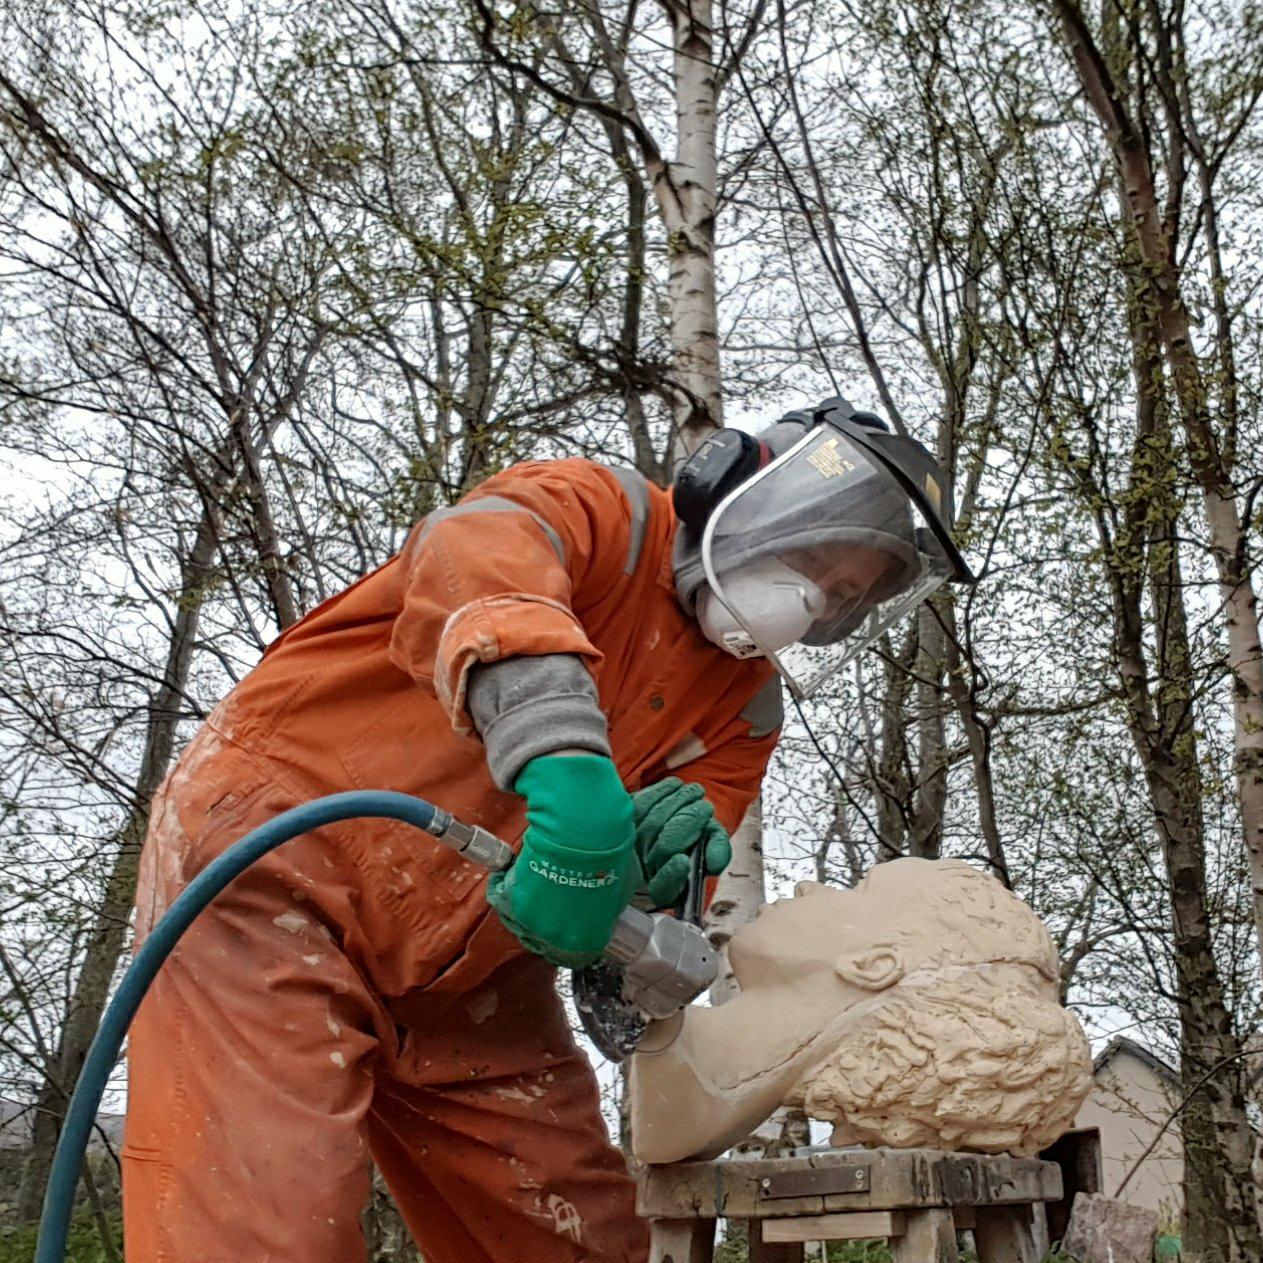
612, 1023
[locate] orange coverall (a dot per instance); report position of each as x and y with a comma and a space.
351, 994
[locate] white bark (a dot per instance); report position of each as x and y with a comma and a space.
1245, 662
740, 894
685, 191
686, 194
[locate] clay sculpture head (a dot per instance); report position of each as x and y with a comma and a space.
918, 1009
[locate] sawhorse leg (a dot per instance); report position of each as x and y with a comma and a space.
929, 1236
771, 1251
681, 1240
1005, 1234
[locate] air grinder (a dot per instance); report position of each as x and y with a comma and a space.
654, 965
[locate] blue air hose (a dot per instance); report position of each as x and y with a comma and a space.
63, 1179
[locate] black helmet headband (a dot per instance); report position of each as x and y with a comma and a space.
730, 457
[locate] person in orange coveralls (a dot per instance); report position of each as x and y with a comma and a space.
557, 655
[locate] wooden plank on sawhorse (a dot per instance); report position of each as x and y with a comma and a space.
918, 1236
855, 1225
1005, 1233
934, 1193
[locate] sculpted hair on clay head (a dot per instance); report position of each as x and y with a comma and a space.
962, 1063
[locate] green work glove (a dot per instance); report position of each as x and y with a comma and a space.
577, 869
671, 819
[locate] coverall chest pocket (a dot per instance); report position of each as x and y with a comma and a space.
410, 867
409, 755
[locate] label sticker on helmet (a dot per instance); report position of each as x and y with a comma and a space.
827, 461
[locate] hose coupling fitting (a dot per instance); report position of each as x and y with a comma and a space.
472, 841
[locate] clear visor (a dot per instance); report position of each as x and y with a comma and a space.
818, 554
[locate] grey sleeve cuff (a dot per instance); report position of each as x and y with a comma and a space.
529, 706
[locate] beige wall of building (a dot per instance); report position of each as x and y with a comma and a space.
1132, 1096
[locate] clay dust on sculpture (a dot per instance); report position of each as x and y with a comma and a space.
919, 1009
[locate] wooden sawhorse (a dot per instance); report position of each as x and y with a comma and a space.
916, 1198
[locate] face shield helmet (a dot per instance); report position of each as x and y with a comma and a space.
813, 557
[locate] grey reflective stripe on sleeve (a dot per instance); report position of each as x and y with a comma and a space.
765, 711
493, 504
636, 489
529, 706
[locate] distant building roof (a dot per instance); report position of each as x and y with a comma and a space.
1120, 1044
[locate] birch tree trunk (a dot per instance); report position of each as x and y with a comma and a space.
740, 894
688, 202
1221, 1222
1219, 1196
685, 191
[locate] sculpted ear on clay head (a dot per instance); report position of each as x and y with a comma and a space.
873, 970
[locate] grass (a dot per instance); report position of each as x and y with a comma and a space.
17, 1245
735, 1251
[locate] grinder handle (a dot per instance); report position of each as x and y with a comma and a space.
634, 930
689, 907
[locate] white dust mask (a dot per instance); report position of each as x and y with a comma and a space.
777, 604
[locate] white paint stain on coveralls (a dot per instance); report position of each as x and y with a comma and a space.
482, 1006
567, 1221
512, 1094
